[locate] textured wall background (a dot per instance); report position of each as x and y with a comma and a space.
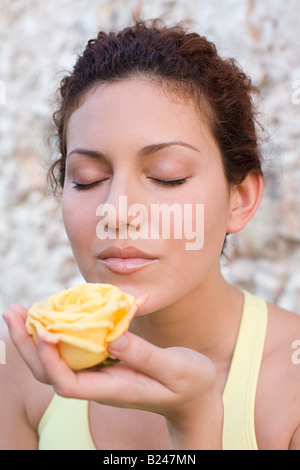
39, 39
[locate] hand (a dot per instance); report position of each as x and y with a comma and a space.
15, 317
178, 383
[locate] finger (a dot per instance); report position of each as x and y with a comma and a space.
58, 372
138, 303
86, 384
141, 300
115, 386
15, 318
144, 357
19, 309
170, 366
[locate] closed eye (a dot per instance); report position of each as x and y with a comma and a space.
170, 183
84, 187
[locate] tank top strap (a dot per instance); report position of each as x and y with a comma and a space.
240, 390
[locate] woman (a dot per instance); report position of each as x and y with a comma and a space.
154, 114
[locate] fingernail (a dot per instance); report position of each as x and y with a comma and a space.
119, 344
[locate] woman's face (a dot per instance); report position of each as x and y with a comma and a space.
135, 147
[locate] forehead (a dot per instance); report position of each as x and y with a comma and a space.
135, 109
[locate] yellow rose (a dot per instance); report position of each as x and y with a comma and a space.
81, 321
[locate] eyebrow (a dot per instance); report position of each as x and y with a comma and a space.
150, 149
144, 152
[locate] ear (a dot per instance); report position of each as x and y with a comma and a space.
245, 199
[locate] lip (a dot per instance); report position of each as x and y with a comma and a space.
125, 260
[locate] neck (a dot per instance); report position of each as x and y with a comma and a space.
207, 320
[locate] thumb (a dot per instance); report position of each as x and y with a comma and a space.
118, 345
141, 355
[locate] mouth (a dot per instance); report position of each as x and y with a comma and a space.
126, 260
126, 265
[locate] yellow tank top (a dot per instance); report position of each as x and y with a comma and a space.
65, 424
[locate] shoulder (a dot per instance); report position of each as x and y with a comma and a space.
283, 338
279, 385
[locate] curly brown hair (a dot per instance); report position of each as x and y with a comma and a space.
185, 62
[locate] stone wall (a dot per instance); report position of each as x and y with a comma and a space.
40, 39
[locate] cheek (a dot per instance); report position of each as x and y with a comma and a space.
217, 211
206, 228
79, 220
215, 231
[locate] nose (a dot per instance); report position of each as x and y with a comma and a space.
123, 211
